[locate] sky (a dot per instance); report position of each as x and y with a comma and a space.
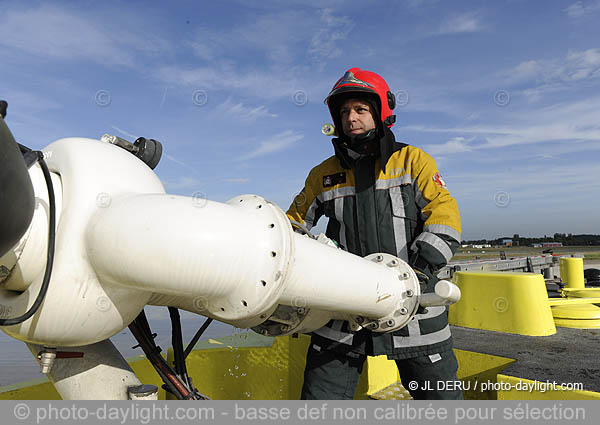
505, 95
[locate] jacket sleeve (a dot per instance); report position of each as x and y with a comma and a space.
306, 208
441, 235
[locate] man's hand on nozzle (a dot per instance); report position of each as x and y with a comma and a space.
423, 279
423, 283
423, 272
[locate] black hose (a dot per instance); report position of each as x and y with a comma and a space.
180, 388
177, 343
141, 332
50, 254
196, 337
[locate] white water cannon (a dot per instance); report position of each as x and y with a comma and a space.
123, 243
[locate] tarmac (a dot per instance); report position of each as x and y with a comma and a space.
569, 356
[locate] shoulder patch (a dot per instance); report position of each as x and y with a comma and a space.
333, 179
437, 178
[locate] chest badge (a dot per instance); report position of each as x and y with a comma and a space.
437, 178
334, 179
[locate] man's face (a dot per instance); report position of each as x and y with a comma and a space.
356, 117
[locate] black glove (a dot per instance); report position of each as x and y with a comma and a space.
424, 274
423, 279
423, 271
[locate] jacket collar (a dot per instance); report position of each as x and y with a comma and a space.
387, 147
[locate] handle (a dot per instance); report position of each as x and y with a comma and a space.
445, 293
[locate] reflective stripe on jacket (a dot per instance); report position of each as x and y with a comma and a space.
405, 210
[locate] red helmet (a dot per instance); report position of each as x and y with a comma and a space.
362, 82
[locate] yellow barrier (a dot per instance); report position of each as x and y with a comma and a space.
504, 302
514, 388
571, 272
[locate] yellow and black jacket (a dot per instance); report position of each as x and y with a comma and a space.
405, 211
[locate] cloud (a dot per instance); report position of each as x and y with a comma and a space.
575, 122
183, 182
526, 70
243, 58
576, 10
261, 83
238, 180
238, 111
576, 66
181, 163
276, 143
51, 31
454, 145
31, 101
579, 10
582, 64
465, 23
419, 4
531, 181
287, 40
498, 137
325, 43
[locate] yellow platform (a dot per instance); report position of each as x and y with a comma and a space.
249, 366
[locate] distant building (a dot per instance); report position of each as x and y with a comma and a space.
551, 244
506, 242
547, 245
479, 246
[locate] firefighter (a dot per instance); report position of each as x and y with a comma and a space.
380, 196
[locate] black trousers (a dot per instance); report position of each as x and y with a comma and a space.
333, 376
